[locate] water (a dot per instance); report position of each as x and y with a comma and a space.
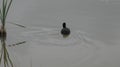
93, 42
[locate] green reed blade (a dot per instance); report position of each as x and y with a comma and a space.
9, 58
8, 7
0, 15
1, 55
3, 13
5, 6
6, 60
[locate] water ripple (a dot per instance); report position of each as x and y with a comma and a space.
52, 37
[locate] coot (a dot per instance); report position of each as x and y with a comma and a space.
65, 31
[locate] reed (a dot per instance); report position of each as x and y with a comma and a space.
4, 11
4, 55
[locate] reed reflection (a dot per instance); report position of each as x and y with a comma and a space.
5, 60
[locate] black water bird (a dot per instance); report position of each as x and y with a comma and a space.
65, 31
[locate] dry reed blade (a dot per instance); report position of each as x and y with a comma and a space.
17, 24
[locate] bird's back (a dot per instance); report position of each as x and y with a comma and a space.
65, 31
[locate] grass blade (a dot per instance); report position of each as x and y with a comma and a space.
0, 14
5, 5
8, 7
1, 55
9, 58
3, 13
